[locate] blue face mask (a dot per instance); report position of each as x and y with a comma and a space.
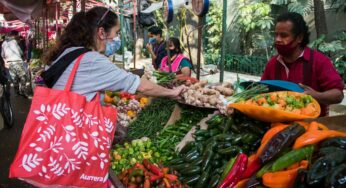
152, 40
112, 46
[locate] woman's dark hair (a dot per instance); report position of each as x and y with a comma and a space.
176, 43
81, 30
155, 30
299, 25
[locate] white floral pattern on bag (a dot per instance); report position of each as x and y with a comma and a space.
83, 130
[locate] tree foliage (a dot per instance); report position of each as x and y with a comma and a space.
213, 33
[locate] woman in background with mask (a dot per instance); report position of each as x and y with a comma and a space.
92, 33
180, 64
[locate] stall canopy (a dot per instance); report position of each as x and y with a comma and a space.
22, 10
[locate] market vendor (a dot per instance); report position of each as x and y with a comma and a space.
298, 63
180, 64
156, 46
92, 33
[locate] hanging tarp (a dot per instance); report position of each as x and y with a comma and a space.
23, 10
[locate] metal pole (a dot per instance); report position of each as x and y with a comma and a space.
74, 6
168, 52
134, 31
121, 7
82, 5
224, 18
56, 19
199, 46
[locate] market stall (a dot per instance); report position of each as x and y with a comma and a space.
262, 139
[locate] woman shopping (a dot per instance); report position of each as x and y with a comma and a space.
180, 64
93, 33
67, 135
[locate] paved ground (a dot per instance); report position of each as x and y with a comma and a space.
10, 141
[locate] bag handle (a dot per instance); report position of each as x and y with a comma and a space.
73, 73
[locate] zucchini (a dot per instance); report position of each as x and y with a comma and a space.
192, 179
202, 181
192, 170
207, 157
200, 147
180, 167
236, 139
202, 132
191, 157
216, 163
224, 137
233, 150
200, 138
214, 181
191, 152
188, 146
176, 161
197, 161
223, 145
214, 132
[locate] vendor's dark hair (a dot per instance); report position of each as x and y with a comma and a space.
155, 30
299, 25
176, 43
80, 31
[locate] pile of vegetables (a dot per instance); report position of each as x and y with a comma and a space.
172, 135
206, 161
288, 101
201, 95
328, 167
127, 104
163, 77
152, 119
148, 175
127, 155
285, 158
178, 81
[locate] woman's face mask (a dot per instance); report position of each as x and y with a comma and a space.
152, 40
112, 46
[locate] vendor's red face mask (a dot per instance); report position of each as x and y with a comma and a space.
286, 49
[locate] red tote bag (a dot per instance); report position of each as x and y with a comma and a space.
66, 140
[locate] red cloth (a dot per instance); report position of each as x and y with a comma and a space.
324, 75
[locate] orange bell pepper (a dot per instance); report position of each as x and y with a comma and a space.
283, 179
242, 183
315, 136
131, 113
108, 99
307, 125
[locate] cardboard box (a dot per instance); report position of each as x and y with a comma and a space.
337, 123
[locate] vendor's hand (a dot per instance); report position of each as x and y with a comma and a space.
149, 47
308, 90
176, 92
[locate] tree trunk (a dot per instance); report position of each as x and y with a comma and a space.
320, 18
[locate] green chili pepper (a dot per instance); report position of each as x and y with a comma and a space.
227, 168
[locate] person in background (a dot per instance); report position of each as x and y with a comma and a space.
156, 46
180, 64
300, 64
92, 33
12, 55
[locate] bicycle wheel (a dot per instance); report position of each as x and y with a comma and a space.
6, 112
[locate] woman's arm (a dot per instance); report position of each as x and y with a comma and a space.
150, 89
186, 71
